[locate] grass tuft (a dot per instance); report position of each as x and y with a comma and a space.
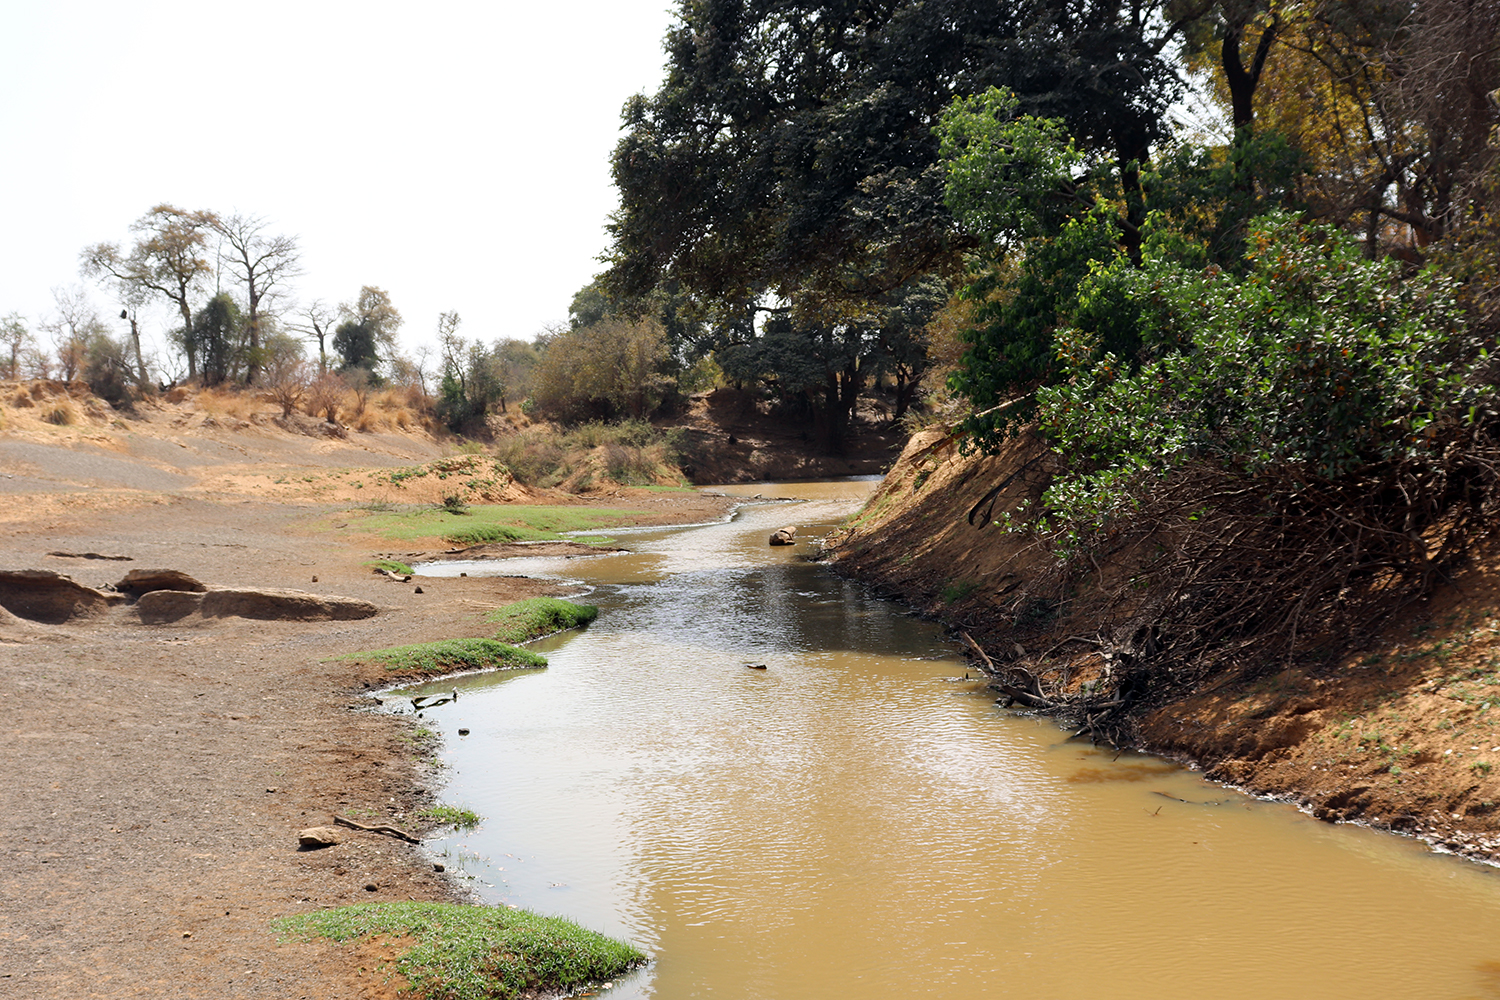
473, 952
392, 566
464, 819
539, 616
450, 656
490, 523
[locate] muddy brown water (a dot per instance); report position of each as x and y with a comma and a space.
858, 820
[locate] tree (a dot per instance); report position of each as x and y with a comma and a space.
285, 372
600, 372
218, 339
473, 377
319, 323
167, 259
790, 151
75, 325
262, 263
369, 329
18, 344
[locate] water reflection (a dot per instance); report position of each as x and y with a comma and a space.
855, 819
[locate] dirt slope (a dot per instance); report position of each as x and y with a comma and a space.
1404, 734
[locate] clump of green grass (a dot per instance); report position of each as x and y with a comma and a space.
488, 523
539, 616
391, 566
485, 535
464, 819
450, 656
473, 952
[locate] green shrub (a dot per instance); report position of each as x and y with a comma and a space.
473, 952
450, 656
539, 616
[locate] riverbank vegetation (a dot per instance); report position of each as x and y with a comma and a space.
448, 656
459, 952
534, 617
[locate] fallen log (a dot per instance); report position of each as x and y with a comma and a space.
389, 831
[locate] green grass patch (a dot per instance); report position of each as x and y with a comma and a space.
488, 523
464, 819
391, 566
473, 952
449, 656
539, 616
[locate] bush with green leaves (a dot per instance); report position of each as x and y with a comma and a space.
1316, 362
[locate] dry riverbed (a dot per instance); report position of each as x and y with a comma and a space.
159, 774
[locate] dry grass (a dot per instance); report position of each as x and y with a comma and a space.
221, 401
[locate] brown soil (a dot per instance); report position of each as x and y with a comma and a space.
1404, 734
160, 773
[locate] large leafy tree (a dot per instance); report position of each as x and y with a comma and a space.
790, 149
169, 259
368, 332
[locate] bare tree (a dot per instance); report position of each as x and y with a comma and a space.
318, 319
262, 263
73, 327
167, 260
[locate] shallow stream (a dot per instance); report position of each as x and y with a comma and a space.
858, 820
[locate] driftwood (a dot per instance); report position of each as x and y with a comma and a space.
389, 831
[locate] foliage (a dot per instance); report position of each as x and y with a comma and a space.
449, 656
539, 616
1318, 362
610, 369
464, 819
518, 522
633, 453
473, 952
473, 377
218, 339
789, 150
392, 566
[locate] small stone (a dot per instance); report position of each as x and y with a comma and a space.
417, 591
315, 579
463, 574
371, 887
463, 732
317, 837
187, 934
273, 789
438, 866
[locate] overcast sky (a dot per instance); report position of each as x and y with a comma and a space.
454, 154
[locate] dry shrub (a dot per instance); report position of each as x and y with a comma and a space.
325, 398
221, 401
63, 413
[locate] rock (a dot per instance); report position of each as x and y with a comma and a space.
417, 591
463, 732
284, 605
438, 866
371, 887
40, 595
144, 581
160, 606
785, 536
317, 837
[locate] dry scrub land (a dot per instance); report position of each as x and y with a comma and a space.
159, 773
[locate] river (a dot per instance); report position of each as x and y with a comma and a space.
857, 819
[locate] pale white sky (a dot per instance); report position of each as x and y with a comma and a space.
453, 153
